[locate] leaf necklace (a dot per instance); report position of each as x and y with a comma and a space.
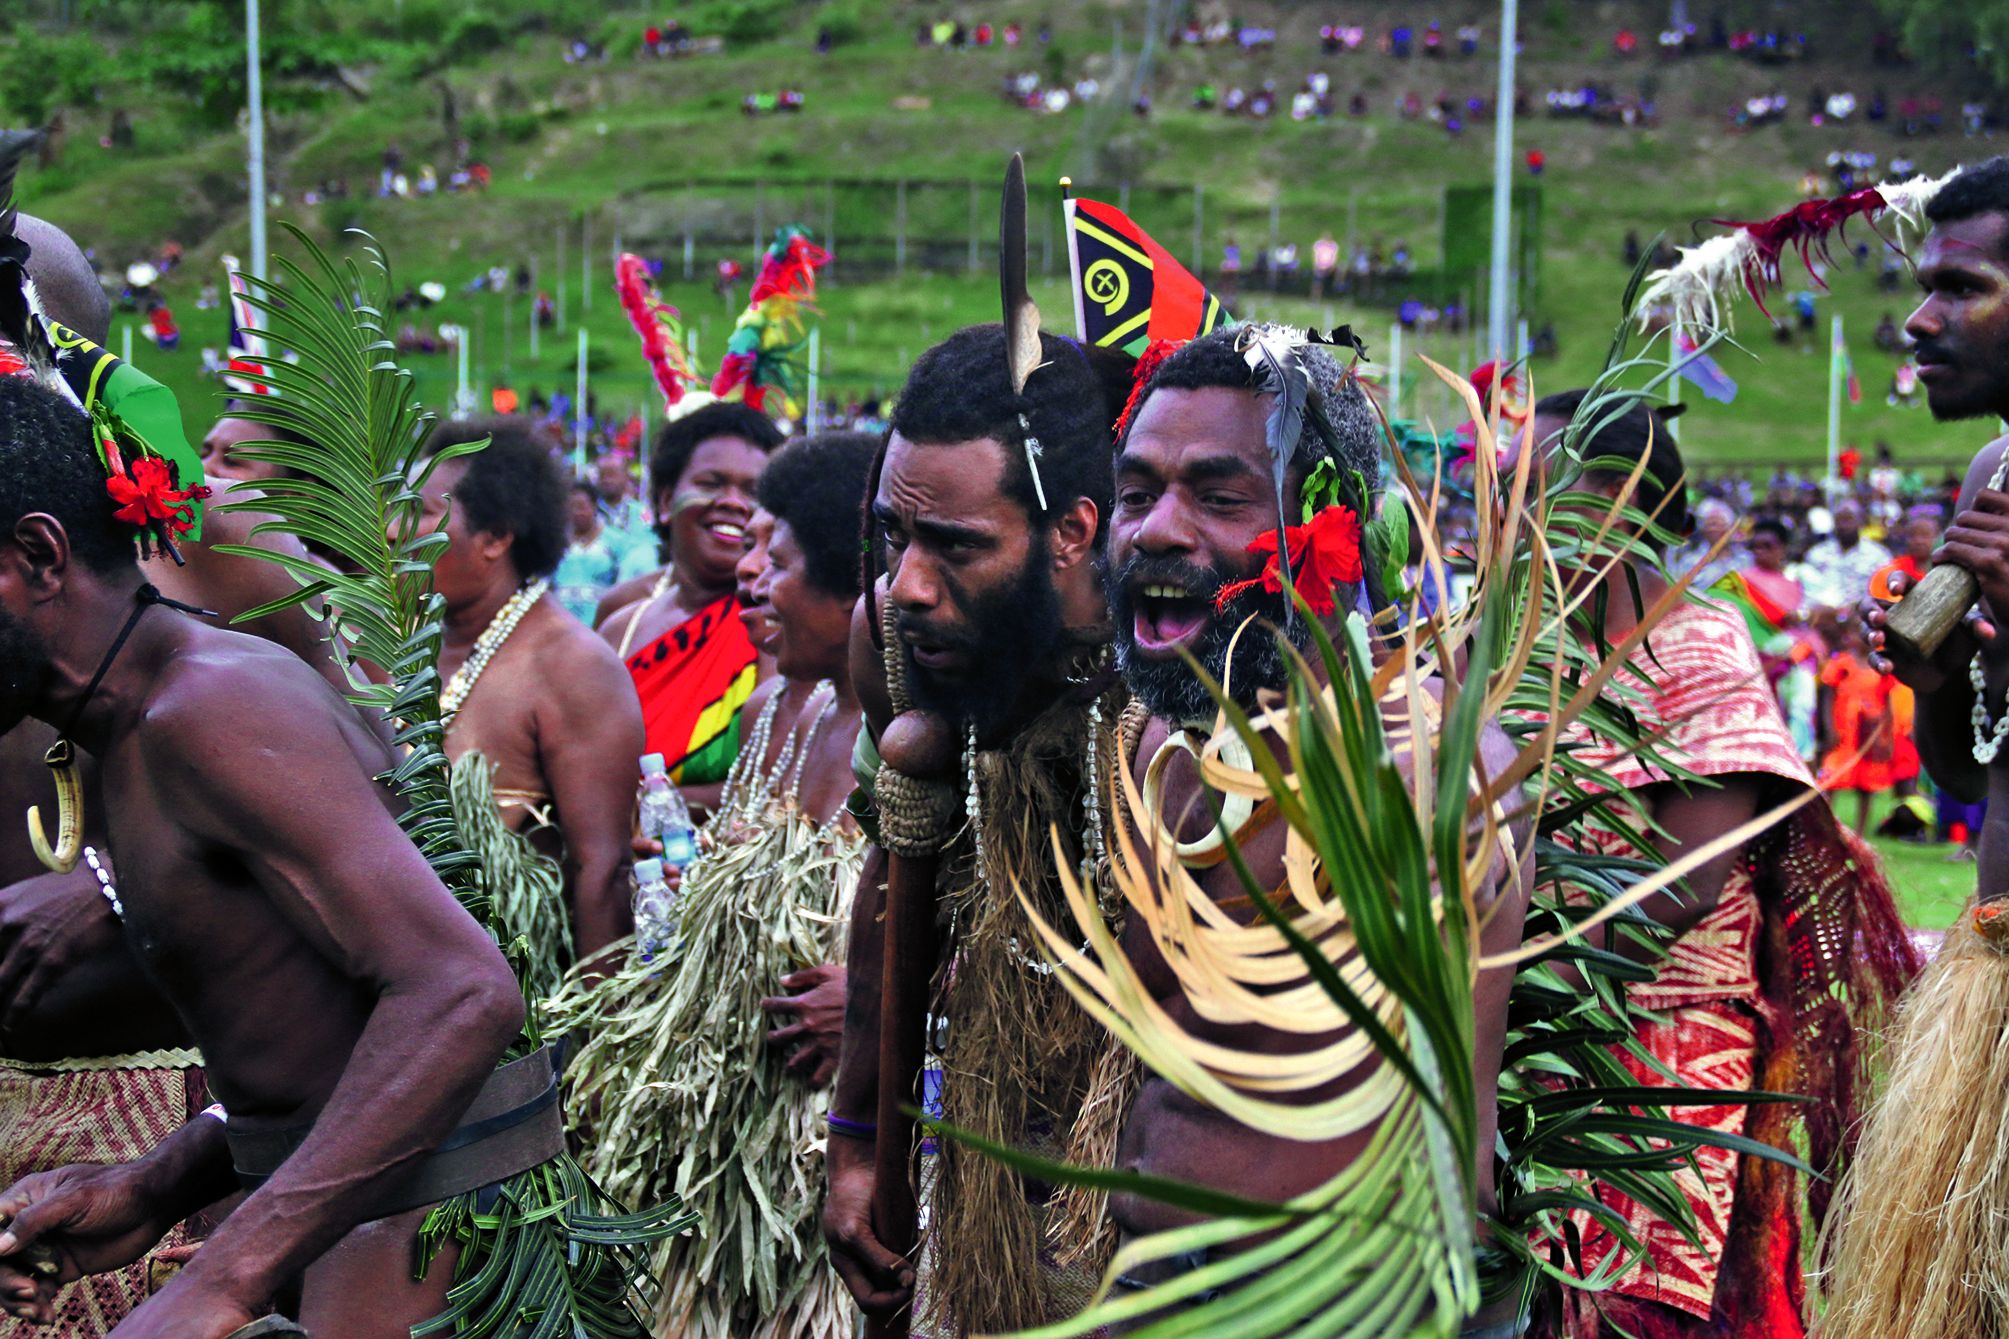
487, 644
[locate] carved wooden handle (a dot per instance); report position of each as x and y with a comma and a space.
1919, 624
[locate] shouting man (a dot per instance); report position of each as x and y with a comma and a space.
1195, 505
305, 943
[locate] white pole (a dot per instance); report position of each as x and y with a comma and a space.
1395, 370
1502, 299
1834, 401
586, 264
126, 344
533, 327
255, 116
814, 416
1674, 364
559, 270
465, 400
579, 410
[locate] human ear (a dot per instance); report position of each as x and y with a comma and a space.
1072, 536
42, 551
492, 545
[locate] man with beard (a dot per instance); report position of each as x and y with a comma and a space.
305, 943
990, 614
1195, 506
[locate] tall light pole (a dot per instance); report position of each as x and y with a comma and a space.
1499, 314
255, 111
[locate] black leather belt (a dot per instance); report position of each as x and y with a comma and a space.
512, 1125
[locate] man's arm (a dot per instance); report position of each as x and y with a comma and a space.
589, 741
322, 845
1943, 725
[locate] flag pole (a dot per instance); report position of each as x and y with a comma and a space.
1834, 401
1501, 298
1395, 370
813, 415
255, 125
1674, 363
579, 411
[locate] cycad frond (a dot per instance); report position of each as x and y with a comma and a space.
1373, 938
543, 1259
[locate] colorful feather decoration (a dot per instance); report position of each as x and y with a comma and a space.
1692, 289
661, 327
758, 362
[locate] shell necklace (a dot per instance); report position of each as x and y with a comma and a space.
487, 644
1987, 738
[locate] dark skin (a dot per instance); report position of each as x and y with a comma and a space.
950, 533
1194, 486
554, 712
324, 971
709, 505
69, 985
811, 643
1962, 330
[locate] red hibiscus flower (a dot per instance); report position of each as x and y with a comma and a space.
1323, 554
146, 493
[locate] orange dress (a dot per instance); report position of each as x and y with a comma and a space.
1865, 717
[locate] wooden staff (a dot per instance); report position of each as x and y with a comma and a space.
1919, 624
919, 745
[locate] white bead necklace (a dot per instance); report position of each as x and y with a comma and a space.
487, 644
1987, 737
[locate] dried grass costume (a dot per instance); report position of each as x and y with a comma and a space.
675, 1089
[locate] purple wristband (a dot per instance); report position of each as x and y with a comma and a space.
851, 1129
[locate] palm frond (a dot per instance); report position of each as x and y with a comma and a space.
1371, 943
544, 1255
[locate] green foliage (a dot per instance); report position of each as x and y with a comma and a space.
1945, 29
41, 74
541, 1260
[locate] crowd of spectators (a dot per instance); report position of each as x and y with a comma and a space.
1799, 556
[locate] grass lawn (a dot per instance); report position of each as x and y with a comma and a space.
1930, 889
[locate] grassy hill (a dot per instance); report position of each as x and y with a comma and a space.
600, 151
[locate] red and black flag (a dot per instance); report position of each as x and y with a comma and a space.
1128, 290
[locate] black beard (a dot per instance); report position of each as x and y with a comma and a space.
24, 663
1169, 687
1010, 634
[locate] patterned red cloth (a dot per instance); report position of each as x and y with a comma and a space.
51, 1119
1767, 991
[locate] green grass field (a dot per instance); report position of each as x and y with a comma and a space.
600, 151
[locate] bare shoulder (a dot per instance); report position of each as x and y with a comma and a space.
569, 655
610, 628
226, 692
622, 598
1982, 472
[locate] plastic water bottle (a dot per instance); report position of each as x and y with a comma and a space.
665, 817
654, 908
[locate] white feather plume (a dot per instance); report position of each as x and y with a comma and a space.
1906, 200
1695, 286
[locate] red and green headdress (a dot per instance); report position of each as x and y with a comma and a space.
760, 358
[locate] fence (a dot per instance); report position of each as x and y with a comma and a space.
884, 228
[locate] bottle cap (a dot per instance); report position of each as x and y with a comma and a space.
648, 871
653, 765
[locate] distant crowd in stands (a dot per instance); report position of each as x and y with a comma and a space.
1797, 558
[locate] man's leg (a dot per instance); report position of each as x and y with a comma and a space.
363, 1288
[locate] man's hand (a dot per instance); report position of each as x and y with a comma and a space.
64, 1224
49, 925
1923, 676
880, 1281
818, 1007
186, 1308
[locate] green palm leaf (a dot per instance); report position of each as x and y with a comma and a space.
548, 1257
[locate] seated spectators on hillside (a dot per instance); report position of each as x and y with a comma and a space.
1468, 40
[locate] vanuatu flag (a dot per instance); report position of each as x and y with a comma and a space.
1128, 290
